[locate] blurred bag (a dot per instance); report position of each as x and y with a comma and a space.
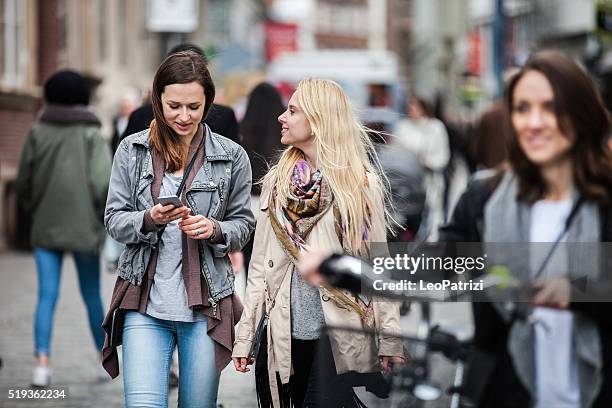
262, 326
260, 332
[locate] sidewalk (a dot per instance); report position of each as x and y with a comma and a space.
74, 358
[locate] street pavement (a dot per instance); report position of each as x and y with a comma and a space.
74, 359
73, 355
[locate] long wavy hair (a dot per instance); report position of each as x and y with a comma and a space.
580, 113
179, 68
345, 157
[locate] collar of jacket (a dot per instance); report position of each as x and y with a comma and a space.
216, 147
63, 114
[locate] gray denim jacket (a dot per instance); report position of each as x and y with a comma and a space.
220, 190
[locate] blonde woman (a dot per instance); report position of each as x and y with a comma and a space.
325, 193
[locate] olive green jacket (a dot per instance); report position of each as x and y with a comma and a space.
63, 179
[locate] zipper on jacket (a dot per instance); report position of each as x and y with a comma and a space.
214, 306
208, 279
133, 257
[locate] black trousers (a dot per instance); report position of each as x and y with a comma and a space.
313, 367
314, 382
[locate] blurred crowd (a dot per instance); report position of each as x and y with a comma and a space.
534, 167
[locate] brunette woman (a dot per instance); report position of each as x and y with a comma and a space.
175, 284
558, 189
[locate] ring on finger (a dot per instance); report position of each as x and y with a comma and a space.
197, 232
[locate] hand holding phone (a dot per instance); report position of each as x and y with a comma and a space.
168, 209
171, 199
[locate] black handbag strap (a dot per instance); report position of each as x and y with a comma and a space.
186, 172
188, 168
521, 311
566, 227
273, 298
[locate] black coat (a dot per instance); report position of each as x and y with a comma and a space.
221, 120
503, 388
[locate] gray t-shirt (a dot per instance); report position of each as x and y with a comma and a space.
168, 297
307, 317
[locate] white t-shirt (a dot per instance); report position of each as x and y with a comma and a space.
427, 139
556, 373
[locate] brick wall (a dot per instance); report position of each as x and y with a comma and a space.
15, 126
48, 38
17, 115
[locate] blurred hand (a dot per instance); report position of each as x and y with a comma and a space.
163, 214
237, 261
555, 293
241, 364
391, 363
308, 266
197, 226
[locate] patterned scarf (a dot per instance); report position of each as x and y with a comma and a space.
309, 200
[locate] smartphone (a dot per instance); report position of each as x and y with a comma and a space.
116, 328
172, 199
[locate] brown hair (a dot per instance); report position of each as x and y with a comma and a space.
424, 105
179, 68
580, 112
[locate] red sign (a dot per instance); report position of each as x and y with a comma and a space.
280, 37
474, 53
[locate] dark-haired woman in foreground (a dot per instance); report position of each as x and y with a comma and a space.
559, 165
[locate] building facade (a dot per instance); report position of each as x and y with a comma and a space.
117, 44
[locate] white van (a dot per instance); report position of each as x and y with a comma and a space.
370, 78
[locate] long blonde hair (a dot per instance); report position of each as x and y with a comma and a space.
345, 156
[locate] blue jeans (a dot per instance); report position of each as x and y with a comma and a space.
148, 344
49, 266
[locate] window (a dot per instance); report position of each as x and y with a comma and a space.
122, 29
14, 43
218, 22
343, 19
102, 22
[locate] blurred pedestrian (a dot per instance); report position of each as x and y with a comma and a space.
426, 137
460, 163
558, 189
127, 104
62, 183
321, 181
221, 119
175, 283
490, 137
406, 182
260, 133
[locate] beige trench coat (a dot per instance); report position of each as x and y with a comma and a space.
271, 270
